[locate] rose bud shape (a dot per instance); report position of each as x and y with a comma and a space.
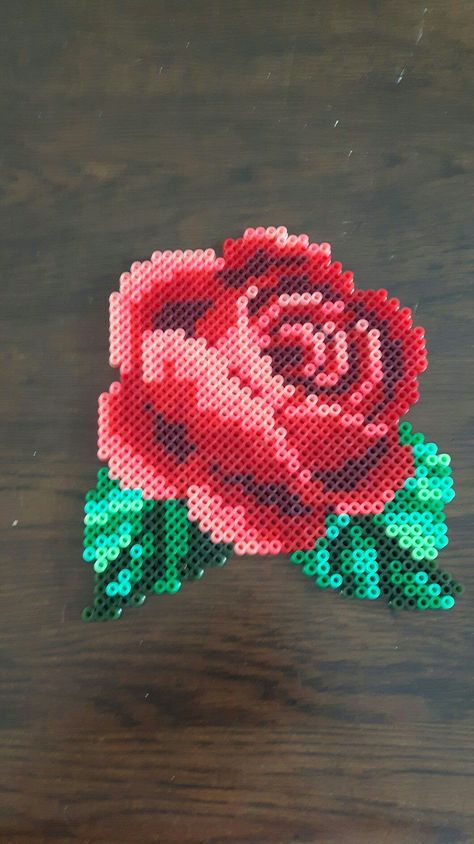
259, 387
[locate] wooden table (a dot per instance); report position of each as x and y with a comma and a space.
250, 708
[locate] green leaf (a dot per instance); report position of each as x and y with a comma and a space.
137, 546
394, 554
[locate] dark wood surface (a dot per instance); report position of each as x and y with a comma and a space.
250, 708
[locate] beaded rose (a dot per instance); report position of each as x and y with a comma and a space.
261, 391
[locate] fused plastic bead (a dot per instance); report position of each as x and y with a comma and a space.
258, 411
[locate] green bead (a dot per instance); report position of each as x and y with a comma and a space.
138, 599
397, 602
322, 581
335, 581
447, 601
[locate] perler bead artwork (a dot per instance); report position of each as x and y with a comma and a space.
258, 412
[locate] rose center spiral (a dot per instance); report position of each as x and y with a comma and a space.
301, 336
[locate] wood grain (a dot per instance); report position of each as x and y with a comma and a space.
250, 708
